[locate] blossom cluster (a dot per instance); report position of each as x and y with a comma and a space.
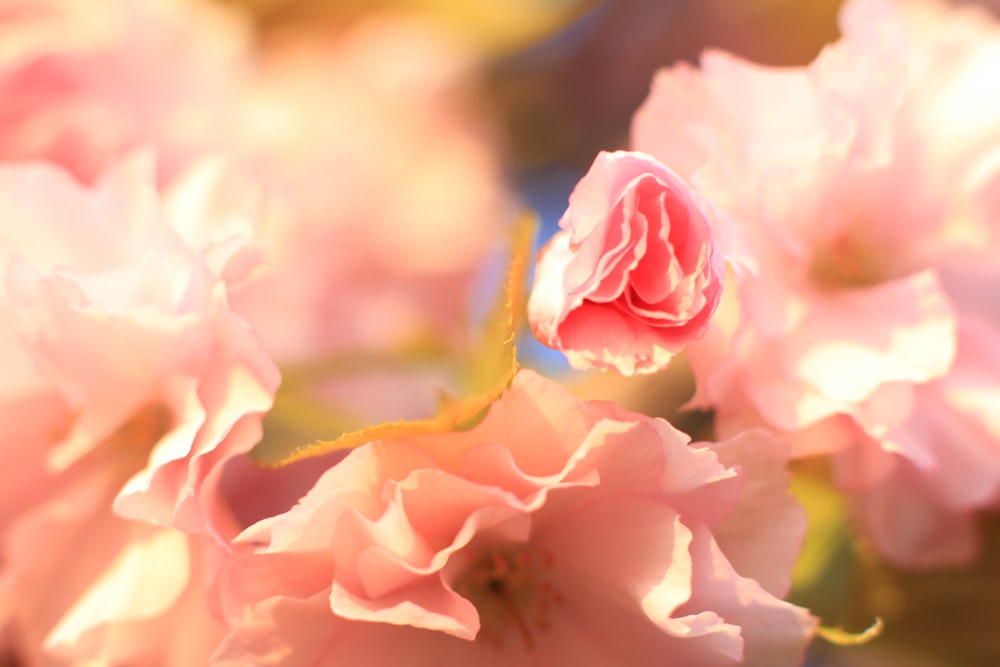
215, 255
854, 202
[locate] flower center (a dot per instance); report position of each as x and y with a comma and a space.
846, 262
146, 426
130, 445
510, 588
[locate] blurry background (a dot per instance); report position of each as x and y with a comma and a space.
561, 79
565, 76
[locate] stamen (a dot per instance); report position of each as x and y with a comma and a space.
147, 425
509, 589
846, 261
129, 446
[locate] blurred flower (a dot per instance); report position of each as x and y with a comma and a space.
82, 83
388, 181
634, 274
553, 532
371, 243
127, 316
853, 196
144, 383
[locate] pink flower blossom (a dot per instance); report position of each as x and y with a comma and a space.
913, 486
378, 244
554, 532
83, 83
856, 196
825, 321
634, 274
371, 244
126, 318
145, 382
81, 584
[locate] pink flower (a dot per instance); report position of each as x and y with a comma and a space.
378, 246
914, 486
825, 320
373, 245
553, 532
857, 197
123, 307
634, 275
81, 84
146, 384
81, 584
